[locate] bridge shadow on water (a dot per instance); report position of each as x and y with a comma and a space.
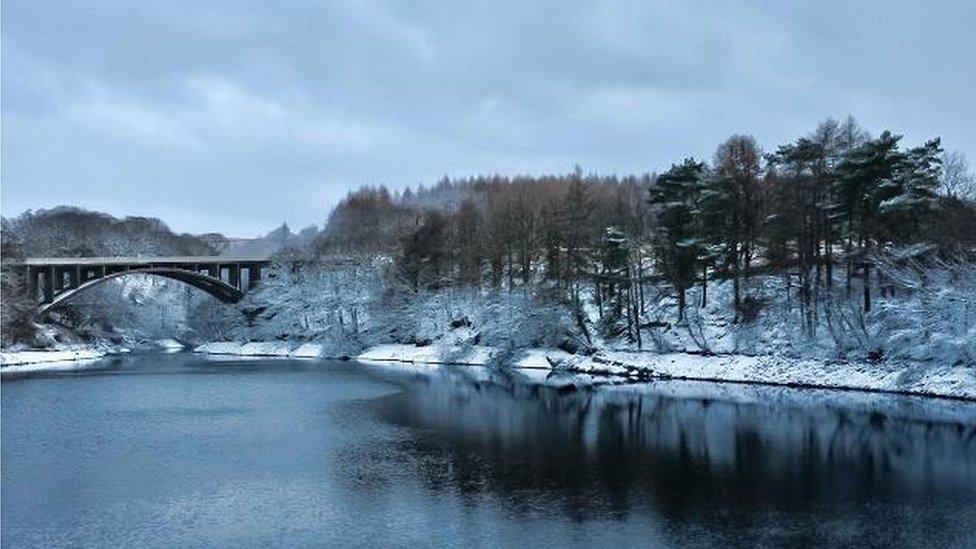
769, 466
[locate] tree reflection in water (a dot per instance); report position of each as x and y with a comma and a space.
715, 463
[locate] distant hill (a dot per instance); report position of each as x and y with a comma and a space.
68, 231
275, 242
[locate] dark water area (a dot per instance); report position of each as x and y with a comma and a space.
180, 450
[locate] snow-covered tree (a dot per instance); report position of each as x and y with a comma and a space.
676, 197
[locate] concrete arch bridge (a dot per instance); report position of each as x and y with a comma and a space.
54, 280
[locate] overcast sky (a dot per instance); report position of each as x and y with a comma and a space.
236, 116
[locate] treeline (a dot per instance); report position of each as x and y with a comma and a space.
822, 210
75, 232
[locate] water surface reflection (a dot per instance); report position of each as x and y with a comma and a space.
179, 450
752, 465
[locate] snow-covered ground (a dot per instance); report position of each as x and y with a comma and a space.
33, 357
71, 356
947, 381
281, 349
944, 381
908, 378
431, 354
67, 357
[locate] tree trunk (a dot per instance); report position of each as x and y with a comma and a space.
640, 282
735, 292
830, 264
867, 287
704, 300
598, 291
681, 305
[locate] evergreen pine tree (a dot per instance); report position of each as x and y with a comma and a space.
676, 197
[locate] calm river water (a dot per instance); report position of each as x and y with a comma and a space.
179, 450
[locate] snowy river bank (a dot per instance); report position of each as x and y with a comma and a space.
939, 381
914, 379
71, 358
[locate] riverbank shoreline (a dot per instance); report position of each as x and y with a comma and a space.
948, 382
953, 382
65, 357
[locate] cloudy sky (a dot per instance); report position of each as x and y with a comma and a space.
237, 116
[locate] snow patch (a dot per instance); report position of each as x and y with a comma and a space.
254, 348
945, 381
266, 348
41, 357
308, 350
219, 348
169, 345
543, 359
431, 354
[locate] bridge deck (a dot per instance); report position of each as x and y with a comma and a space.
139, 260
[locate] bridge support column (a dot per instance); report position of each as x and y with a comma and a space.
253, 274
58, 279
30, 285
33, 284
48, 285
235, 275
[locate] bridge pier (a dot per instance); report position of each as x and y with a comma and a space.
234, 275
59, 273
31, 283
253, 274
48, 285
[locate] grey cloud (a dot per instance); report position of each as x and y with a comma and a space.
235, 116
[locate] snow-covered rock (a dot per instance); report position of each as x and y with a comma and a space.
544, 359
219, 348
265, 348
169, 345
308, 350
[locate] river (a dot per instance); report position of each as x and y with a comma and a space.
170, 450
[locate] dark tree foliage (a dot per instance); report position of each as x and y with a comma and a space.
834, 201
614, 282
424, 257
731, 209
368, 220
16, 308
677, 198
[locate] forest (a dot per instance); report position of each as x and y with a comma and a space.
836, 220
840, 243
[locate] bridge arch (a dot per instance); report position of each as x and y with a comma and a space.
213, 286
